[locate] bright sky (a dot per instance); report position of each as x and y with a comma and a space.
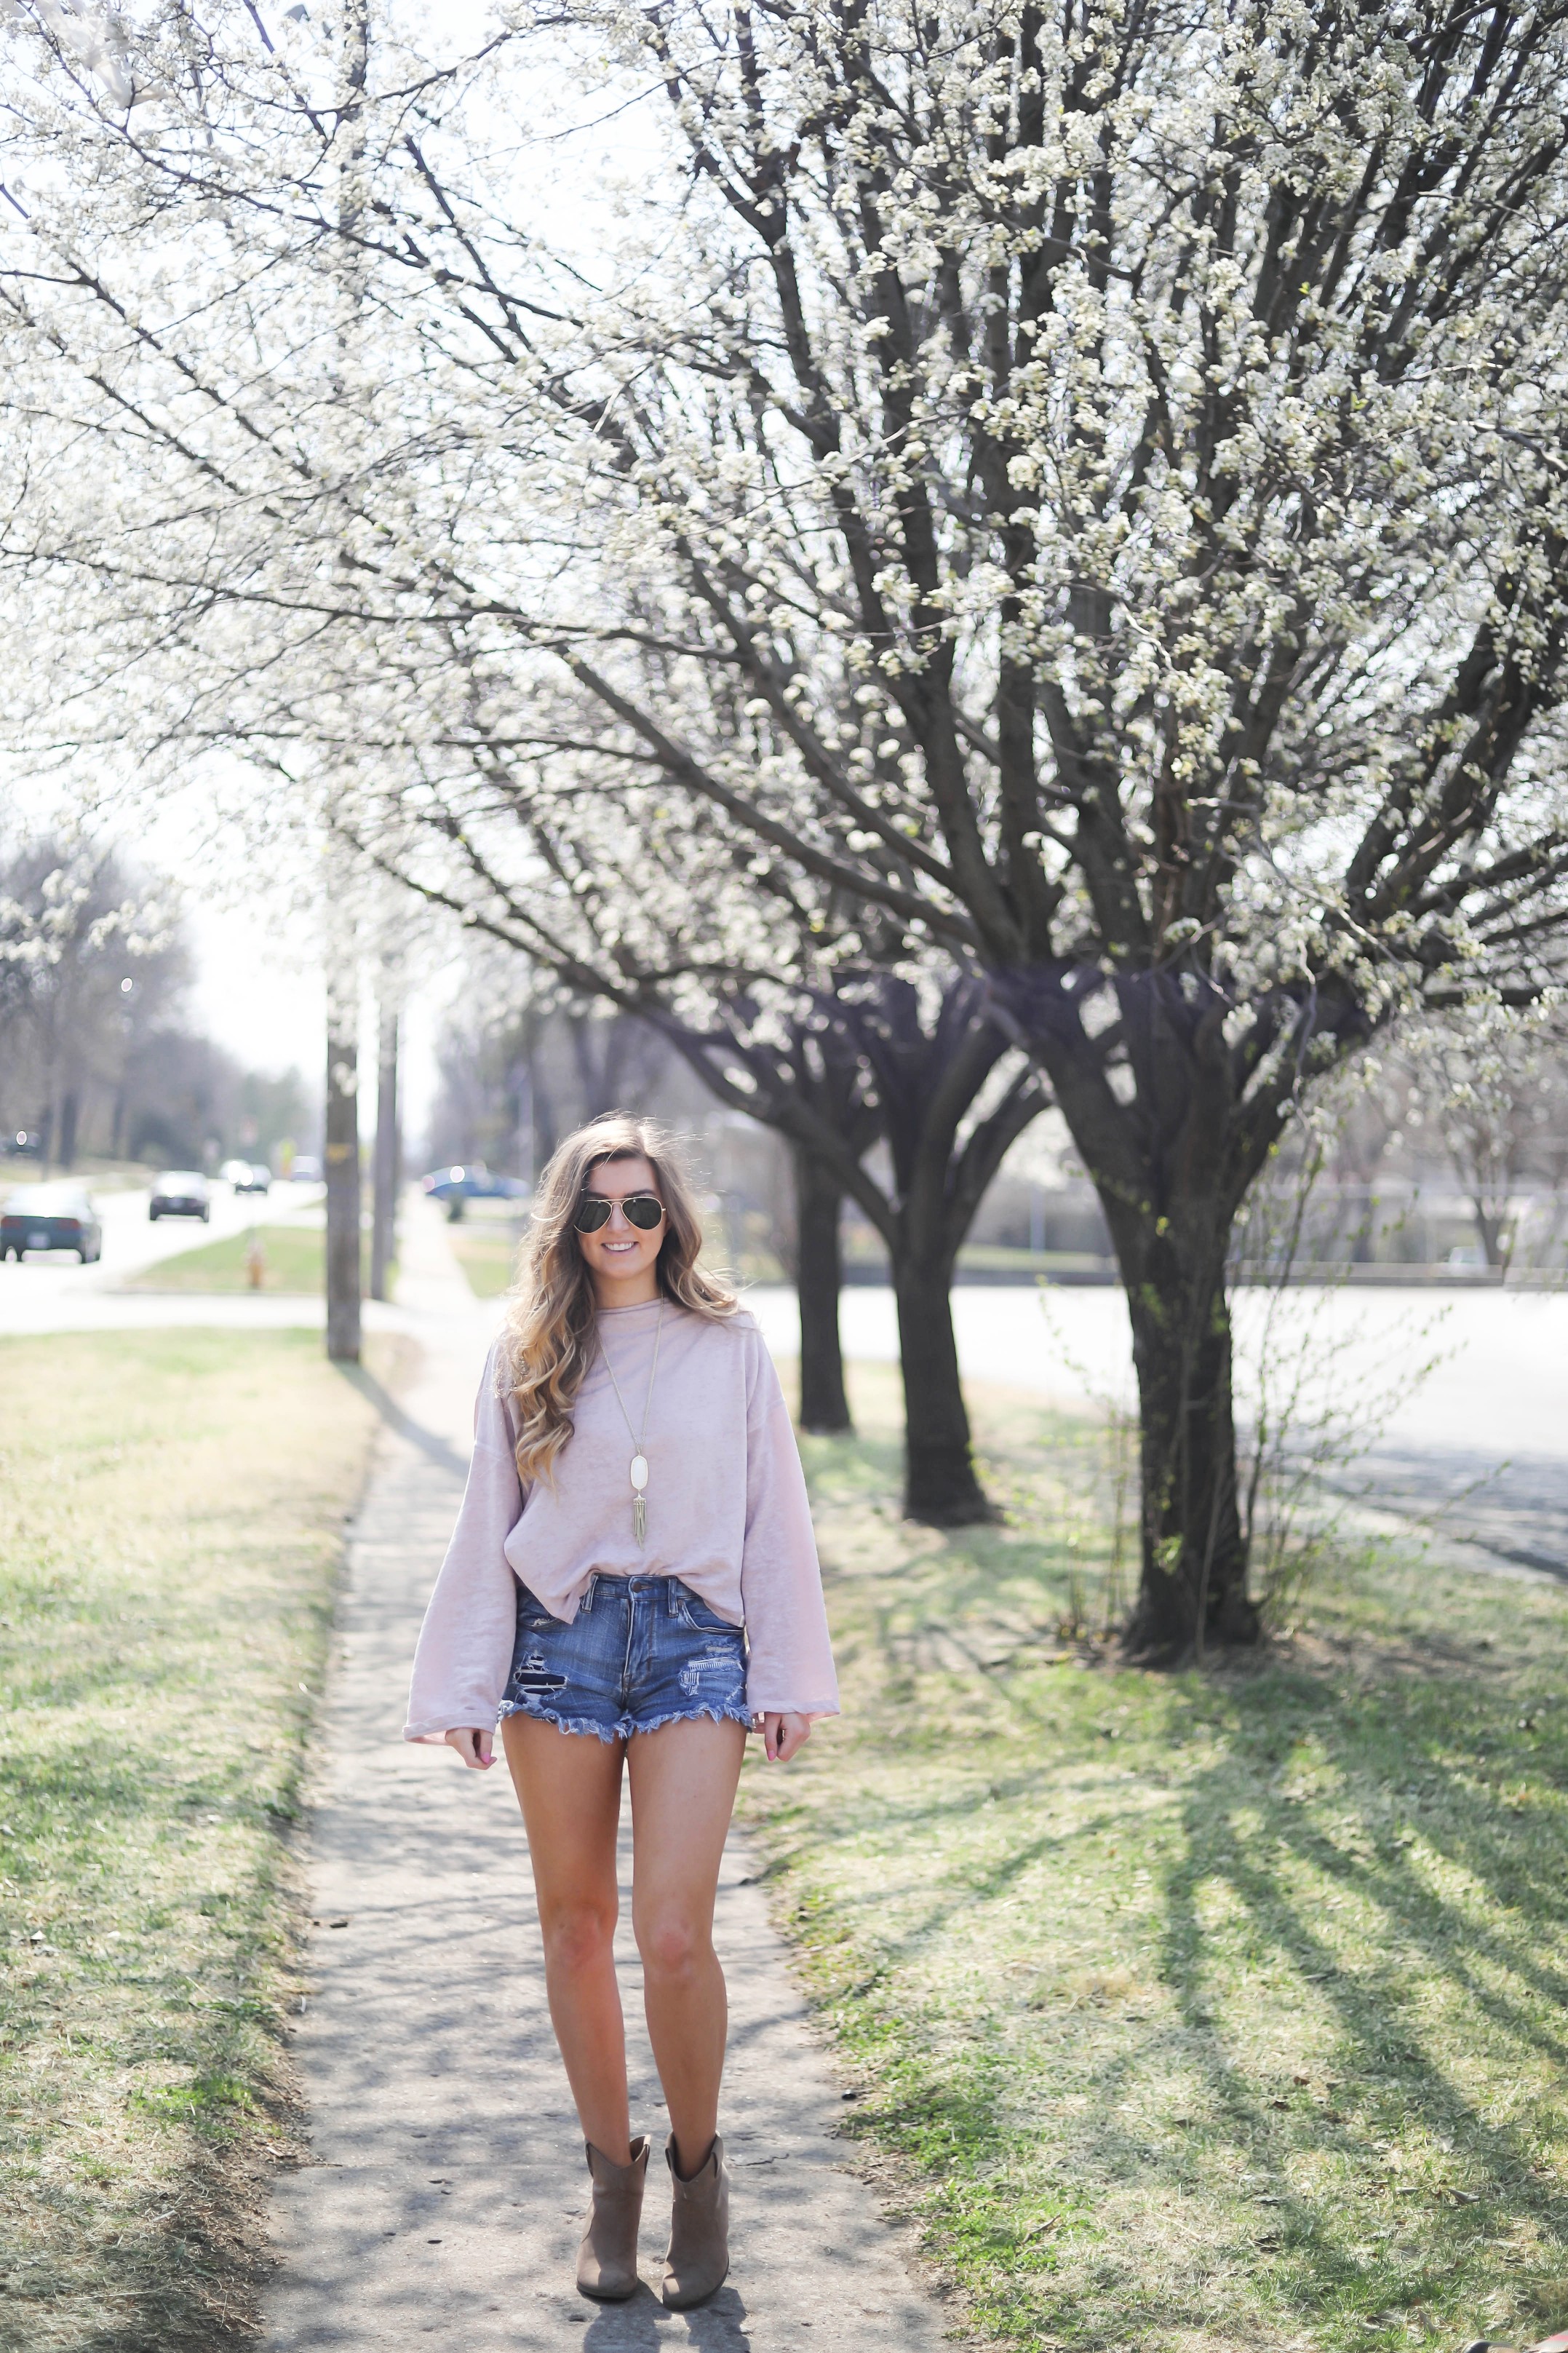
255, 942
259, 991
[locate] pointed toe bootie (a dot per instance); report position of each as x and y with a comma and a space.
698, 2257
607, 2258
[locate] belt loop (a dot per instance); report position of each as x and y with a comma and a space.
587, 1601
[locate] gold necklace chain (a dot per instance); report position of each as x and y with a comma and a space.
638, 1473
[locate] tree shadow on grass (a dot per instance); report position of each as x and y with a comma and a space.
1396, 1895
1428, 1959
1333, 1866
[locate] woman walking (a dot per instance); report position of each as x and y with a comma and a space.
633, 1581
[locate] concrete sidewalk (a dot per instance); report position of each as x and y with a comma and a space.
445, 2194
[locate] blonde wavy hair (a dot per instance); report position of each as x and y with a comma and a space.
549, 1337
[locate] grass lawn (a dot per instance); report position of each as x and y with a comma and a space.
295, 1263
168, 1554
1218, 2009
486, 1255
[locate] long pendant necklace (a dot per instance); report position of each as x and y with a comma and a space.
639, 1460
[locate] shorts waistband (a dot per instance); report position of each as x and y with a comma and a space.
664, 1587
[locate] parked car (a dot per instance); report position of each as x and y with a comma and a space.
181, 1193
473, 1183
307, 1169
51, 1217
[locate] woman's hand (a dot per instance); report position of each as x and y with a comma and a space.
473, 1747
784, 1733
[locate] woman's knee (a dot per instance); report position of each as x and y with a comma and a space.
672, 1943
578, 1935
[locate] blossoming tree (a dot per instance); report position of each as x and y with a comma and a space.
1084, 487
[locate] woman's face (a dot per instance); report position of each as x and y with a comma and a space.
620, 1256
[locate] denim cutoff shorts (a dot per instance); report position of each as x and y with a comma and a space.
641, 1651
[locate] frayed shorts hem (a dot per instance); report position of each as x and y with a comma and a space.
626, 1727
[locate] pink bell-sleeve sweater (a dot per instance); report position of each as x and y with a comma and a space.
727, 1512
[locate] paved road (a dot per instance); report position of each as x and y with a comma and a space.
1483, 1436
143, 1311
445, 2195
33, 1288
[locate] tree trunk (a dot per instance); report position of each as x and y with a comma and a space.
819, 1279
388, 1156
1491, 1223
941, 1487
874, 1063
1171, 1156
342, 1178
1194, 1586
70, 1103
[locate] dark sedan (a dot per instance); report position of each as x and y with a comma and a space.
52, 1217
181, 1193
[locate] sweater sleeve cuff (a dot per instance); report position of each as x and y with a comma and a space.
771, 1704
480, 1719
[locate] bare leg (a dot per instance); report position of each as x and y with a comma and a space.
683, 1792
569, 1786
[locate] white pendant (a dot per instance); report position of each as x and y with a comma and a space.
639, 1471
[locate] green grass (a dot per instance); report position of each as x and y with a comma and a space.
1219, 2009
1025, 1265
294, 1261
864, 1253
98, 1175
168, 1555
486, 1255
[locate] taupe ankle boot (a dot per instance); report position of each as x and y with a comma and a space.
607, 2258
698, 2255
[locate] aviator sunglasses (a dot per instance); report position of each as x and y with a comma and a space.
641, 1210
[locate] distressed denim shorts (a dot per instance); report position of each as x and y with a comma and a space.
641, 1651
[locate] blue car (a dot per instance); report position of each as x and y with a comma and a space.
474, 1183
52, 1217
